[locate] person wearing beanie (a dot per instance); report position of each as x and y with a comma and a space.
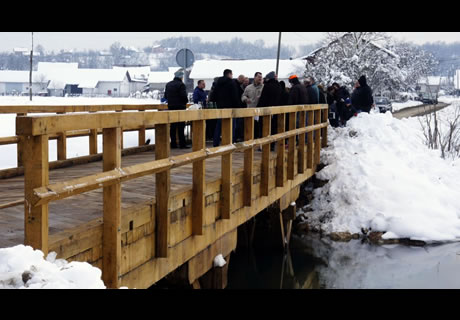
361, 98
176, 95
298, 93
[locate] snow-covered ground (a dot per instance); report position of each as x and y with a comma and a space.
22, 267
76, 147
382, 176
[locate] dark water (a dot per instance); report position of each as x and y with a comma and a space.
313, 262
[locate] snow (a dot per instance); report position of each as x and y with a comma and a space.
219, 261
21, 263
382, 176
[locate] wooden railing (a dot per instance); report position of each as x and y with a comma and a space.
36, 131
61, 137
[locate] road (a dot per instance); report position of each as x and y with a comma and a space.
418, 110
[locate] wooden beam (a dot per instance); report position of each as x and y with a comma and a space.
317, 137
93, 141
291, 150
163, 187
265, 167
36, 174
198, 187
111, 238
248, 162
39, 125
310, 141
226, 165
141, 137
301, 149
280, 152
324, 117
62, 146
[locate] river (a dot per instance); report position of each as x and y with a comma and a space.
318, 262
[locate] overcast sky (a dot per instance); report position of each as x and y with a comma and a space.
102, 40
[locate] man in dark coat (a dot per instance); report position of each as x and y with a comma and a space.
238, 123
270, 97
177, 100
225, 95
361, 97
312, 92
298, 93
340, 95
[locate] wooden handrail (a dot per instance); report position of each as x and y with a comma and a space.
40, 125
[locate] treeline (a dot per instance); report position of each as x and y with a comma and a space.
448, 56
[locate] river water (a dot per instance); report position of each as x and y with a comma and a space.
317, 262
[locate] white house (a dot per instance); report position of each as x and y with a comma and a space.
431, 84
17, 82
139, 77
207, 70
158, 79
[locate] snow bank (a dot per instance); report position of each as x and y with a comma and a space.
22, 267
382, 176
402, 105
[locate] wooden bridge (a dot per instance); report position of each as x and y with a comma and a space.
141, 216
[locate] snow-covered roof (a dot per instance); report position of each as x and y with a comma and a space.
45, 67
432, 80
14, 76
84, 78
160, 77
136, 72
209, 69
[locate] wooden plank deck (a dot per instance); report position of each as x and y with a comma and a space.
74, 211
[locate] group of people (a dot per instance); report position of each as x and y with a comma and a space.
342, 106
227, 92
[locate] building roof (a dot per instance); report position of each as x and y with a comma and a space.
15, 76
209, 69
136, 73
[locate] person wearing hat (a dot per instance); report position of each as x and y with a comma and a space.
176, 95
298, 93
361, 98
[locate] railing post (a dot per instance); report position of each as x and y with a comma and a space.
198, 188
301, 150
310, 141
93, 141
20, 145
317, 136
280, 151
111, 236
324, 117
36, 174
291, 150
141, 136
226, 166
163, 186
265, 168
61, 144
248, 162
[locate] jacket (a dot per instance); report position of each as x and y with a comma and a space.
252, 92
175, 94
225, 93
362, 99
298, 94
271, 94
199, 95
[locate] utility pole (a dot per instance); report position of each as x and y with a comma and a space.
278, 56
30, 74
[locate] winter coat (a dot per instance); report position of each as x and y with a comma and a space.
312, 94
252, 92
362, 99
176, 95
226, 93
199, 95
271, 94
298, 94
316, 89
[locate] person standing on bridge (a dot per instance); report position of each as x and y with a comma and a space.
225, 95
340, 95
251, 97
176, 95
361, 98
199, 95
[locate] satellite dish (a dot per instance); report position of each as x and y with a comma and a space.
185, 58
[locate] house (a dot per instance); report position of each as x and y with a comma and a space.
139, 76
158, 79
457, 80
16, 82
208, 69
431, 84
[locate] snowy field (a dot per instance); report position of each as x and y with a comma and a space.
76, 147
383, 177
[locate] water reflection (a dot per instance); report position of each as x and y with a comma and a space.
315, 262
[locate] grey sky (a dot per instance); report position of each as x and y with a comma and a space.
102, 40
